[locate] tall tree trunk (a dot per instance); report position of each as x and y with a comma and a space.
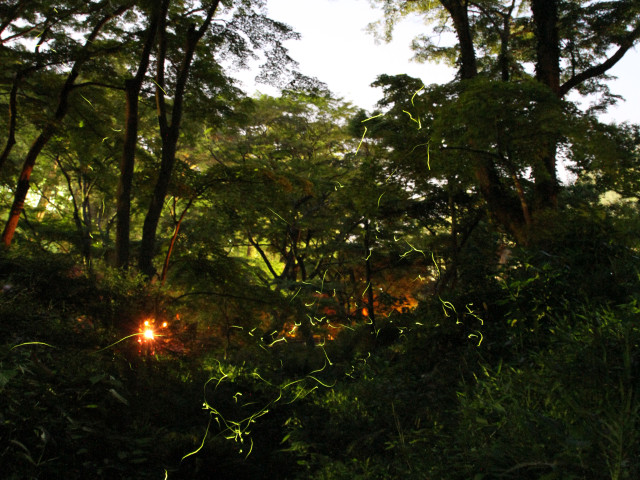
504, 59
545, 18
127, 161
502, 204
125, 181
50, 129
169, 131
147, 247
459, 14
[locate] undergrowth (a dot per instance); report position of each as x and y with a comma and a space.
527, 376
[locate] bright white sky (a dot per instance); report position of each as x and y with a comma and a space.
336, 49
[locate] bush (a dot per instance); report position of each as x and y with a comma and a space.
569, 410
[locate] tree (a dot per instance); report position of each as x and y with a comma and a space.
197, 55
100, 14
286, 167
169, 129
608, 159
183, 40
37, 22
556, 37
157, 14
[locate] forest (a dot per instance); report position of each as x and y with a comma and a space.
198, 283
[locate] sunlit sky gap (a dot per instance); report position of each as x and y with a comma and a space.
336, 48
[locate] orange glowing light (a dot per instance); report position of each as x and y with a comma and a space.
365, 312
148, 334
164, 324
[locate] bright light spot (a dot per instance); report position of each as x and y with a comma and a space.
164, 324
148, 333
146, 323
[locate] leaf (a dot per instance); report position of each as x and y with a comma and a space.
118, 397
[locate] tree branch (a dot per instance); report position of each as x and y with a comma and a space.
263, 255
96, 84
601, 68
219, 294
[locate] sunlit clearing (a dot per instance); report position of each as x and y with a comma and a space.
148, 333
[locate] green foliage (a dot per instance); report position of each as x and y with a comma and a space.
78, 397
568, 410
289, 224
527, 370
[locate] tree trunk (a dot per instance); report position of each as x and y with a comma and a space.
168, 132
459, 14
504, 59
502, 205
152, 218
545, 18
127, 161
22, 187
125, 181
505, 206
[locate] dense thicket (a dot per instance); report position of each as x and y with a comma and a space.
200, 284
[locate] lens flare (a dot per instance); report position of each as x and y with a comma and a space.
148, 334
